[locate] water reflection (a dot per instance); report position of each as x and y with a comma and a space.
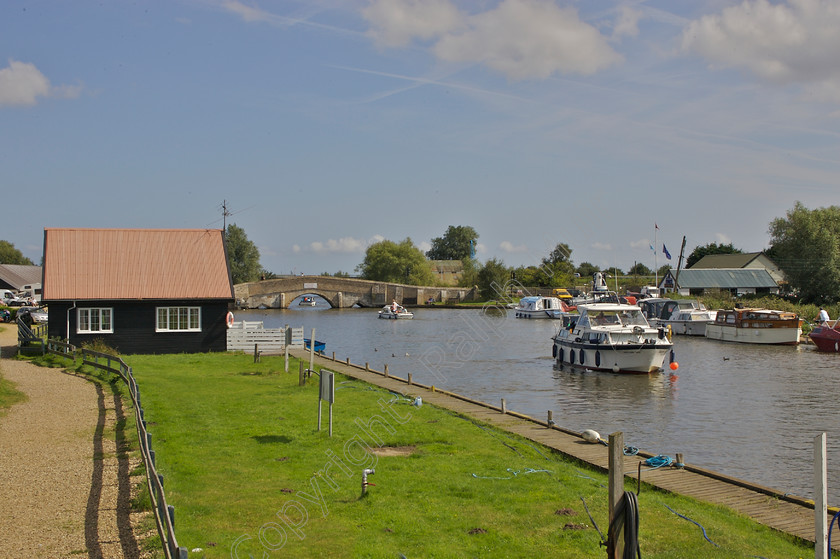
748, 411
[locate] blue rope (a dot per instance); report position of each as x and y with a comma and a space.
658, 461
630, 450
693, 522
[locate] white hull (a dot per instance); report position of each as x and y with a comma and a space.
687, 327
616, 360
524, 313
753, 335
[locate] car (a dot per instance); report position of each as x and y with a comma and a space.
37, 314
562, 294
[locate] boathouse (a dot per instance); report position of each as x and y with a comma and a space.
18, 276
736, 281
138, 290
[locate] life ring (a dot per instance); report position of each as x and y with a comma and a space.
229, 319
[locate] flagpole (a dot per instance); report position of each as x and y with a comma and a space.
655, 263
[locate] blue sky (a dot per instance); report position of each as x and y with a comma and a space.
329, 125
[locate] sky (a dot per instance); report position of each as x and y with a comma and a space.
325, 126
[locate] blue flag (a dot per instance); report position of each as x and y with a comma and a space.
653, 249
665, 251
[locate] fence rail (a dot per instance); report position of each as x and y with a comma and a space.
269, 340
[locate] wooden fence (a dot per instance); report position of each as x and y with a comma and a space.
245, 336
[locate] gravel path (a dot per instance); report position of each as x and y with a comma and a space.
65, 491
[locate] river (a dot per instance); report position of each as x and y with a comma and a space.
751, 412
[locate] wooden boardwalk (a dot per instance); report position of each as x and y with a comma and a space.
789, 514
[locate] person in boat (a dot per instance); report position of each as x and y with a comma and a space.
822, 317
394, 307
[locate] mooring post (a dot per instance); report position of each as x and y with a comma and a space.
820, 499
616, 485
504, 406
386, 370
409, 378
550, 420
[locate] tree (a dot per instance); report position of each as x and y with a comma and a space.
10, 255
711, 248
640, 269
587, 269
456, 244
243, 255
492, 278
397, 263
806, 246
561, 253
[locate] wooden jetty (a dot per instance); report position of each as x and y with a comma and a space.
786, 513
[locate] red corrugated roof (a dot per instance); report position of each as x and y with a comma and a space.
91, 264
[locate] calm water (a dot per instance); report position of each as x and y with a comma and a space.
748, 411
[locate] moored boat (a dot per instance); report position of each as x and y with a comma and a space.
307, 301
319, 346
395, 310
827, 338
686, 317
613, 337
756, 326
540, 307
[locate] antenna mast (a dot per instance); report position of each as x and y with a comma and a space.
225, 214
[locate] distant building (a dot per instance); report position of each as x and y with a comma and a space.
138, 290
739, 274
447, 272
16, 276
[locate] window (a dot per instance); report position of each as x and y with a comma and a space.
178, 319
97, 321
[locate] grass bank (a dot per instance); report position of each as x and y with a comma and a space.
247, 470
9, 394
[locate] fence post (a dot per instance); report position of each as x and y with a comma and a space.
820, 498
616, 484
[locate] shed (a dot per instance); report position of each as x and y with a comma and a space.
138, 290
17, 276
746, 260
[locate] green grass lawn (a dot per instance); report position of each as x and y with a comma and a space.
248, 472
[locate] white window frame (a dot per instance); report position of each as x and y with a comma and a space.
85, 320
178, 319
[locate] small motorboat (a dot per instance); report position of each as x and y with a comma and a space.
319, 346
541, 307
307, 301
827, 338
395, 310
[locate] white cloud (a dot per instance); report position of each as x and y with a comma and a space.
603, 246
396, 23
21, 84
522, 39
525, 39
345, 244
248, 13
787, 42
508, 246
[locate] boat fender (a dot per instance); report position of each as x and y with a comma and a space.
668, 332
591, 436
554, 351
229, 319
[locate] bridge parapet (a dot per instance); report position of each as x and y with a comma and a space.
341, 292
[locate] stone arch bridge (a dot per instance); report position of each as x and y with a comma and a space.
342, 293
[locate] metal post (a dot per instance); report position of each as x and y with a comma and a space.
820, 499
616, 484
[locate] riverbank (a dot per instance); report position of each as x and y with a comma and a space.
248, 470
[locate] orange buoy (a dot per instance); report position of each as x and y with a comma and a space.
229, 319
674, 365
